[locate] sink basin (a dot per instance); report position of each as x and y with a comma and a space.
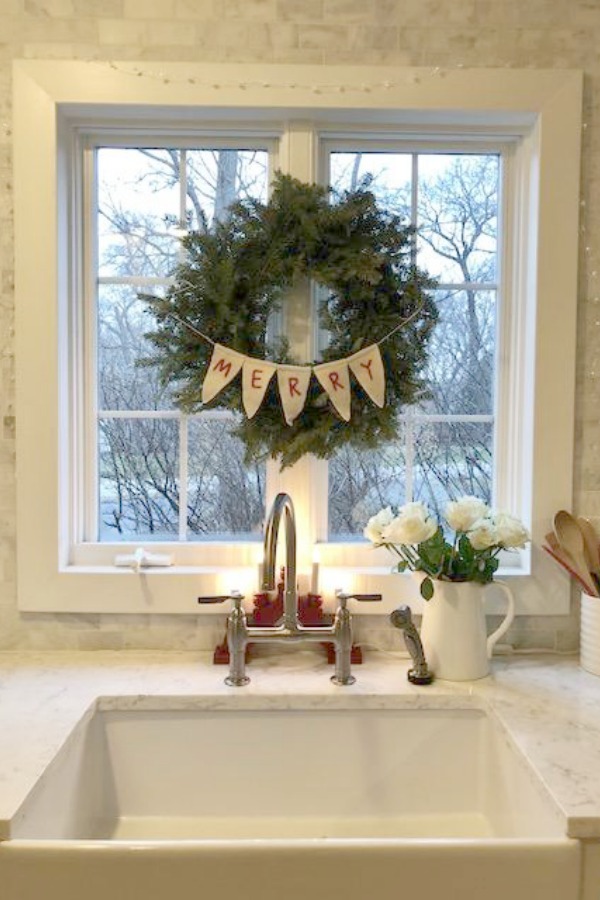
415, 794
274, 774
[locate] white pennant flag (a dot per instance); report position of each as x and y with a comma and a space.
293, 384
335, 379
256, 375
367, 367
224, 366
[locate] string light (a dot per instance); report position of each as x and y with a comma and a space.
325, 87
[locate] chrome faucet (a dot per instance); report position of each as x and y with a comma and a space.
282, 505
290, 629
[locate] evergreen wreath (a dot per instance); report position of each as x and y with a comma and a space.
237, 274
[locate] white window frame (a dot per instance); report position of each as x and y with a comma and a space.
539, 110
87, 140
444, 143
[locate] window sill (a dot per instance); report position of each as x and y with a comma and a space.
174, 590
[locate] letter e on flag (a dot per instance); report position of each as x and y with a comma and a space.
256, 375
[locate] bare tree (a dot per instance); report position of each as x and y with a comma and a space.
457, 208
457, 218
139, 457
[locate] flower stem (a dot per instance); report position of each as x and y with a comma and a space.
404, 554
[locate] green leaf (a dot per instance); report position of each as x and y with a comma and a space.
427, 589
465, 549
434, 554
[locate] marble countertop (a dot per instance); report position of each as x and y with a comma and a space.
548, 704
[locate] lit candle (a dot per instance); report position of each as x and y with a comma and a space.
261, 575
303, 585
314, 579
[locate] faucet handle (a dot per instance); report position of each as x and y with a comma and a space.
343, 597
236, 596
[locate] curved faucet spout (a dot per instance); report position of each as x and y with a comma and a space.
240, 634
282, 504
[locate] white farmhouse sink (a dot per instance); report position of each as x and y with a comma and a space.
162, 774
259, 804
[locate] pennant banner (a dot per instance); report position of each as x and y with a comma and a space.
256, 376
293, 384
334, 378
293, 381
367, 368
224, 366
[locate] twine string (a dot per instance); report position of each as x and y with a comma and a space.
382, 340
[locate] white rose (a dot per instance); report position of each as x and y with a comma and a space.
412, 525
483, 534
373, 530
510, 530
462, 514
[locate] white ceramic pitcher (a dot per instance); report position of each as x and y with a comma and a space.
453, 630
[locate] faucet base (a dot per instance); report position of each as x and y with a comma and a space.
416, 677
221, 652
237, 682
342, 681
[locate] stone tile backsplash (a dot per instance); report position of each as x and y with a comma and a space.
437, 33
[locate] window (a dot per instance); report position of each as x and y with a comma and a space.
445, 445
159, 476
125, 468
156, 475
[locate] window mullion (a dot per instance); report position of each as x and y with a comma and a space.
409, 419
511, 433
135, 280
183, 419
89, 364
298, 157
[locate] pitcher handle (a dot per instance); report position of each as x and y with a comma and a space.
507, 620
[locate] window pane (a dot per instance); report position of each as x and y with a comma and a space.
388, 175
452, 459
225, 496
455, 200
362, 482
144, 198
123, 320
217, 178
138, 494
457, 216
460, 370
138, 211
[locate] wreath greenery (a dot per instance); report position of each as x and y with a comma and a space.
237, 274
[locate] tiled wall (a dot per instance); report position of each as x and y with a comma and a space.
436, 33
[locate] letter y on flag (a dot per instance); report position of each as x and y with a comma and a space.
367, 368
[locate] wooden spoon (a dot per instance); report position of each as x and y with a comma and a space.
564, 559
571, 539
592, 553
566, 563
